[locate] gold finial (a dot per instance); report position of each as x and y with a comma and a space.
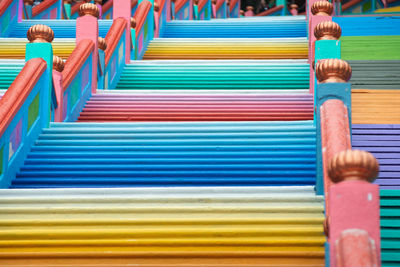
28, 2
67, 1
333, 71
58, 64
214, 2
101, 42
88, 9
228, 2
327, 30
353, 165
133, 23
322, 8
156, 7
40, 34
98, 2
196, 2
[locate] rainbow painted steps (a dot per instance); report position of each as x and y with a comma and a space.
9, 70
180, 226
370, 47
259, 27
375, 74
171, 154
15, 47
376, 106
227, 48
390, 227
200, 105
382, 140
216, 74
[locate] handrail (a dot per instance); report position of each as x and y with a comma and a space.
350, 4
75, 8
232, 5
75, 61
113, 36
19, 90
141, 15
107, 6
4, 5
36, 10
271, 11
202, 3
219, 4
134, 3
161, 5
179, 4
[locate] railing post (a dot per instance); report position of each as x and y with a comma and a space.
27, 9
122, 9
67, 9
320, 11
39, 46
87, 27
58, 67
354, 222
102, 67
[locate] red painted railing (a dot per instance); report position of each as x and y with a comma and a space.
113, 36
36, 10
19, 90
141, 15
4, 4
161, 5
219, 4
202, 4
232, 5
107, 6
270, 11
179, 4
75, 61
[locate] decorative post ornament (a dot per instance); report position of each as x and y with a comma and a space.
88, 9
322, 8
333, 71
327, 30
40, 33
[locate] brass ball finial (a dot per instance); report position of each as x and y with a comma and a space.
196, 2
98, 2
133, 23
322, 8
102, 43
156, 7
353, 165
67, 1
28, 2
333, 71
88, 9
58, 64
327, 30
40, 34
214, 2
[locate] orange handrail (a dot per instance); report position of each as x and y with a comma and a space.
232, 4
113, 36
179, 4
75, 61
36, 10
201, 4
270, 11
141, 15
134, 3
160, 4
19, 91
219, 4
107, 6
4, 5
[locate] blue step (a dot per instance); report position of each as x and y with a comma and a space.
171, 154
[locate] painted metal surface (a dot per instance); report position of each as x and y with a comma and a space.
208, 226
256, 74
249, 106
243, 153
227, 48
265, 27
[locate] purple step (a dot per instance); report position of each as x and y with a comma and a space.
383, 141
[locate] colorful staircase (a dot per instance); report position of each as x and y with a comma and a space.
190, 163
